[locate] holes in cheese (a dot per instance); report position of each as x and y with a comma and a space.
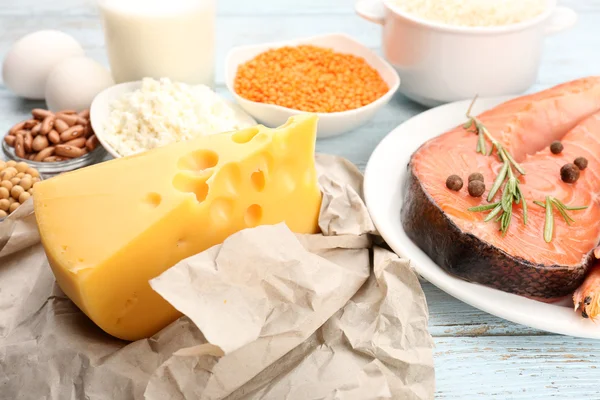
258, 180
253, 215
207, 192
192, 184
245, 135
199, 160
153, 199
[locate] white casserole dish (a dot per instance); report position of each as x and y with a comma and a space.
441, 63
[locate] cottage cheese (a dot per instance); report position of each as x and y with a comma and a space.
162, 112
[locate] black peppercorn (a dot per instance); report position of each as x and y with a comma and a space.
476, 188
556, 147
569, 173
454, 182
581, 163
475, 176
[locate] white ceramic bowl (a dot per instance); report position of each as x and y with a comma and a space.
441, 63
100, 111
330, 124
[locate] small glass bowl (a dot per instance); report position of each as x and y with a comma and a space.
49, 169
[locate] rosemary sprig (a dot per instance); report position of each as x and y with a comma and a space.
549, 205
511, 193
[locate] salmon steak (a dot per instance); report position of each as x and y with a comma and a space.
520, 259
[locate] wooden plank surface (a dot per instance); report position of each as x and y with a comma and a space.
478, 356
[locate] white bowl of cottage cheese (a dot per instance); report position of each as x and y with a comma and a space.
133, 117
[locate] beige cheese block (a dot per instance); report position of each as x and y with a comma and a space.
110, 228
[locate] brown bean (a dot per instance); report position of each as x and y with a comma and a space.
16, 191
85, 114
40, 142
69, 119
79, 142
67, 112
89, 131
16, 128
21, 132
27, 142
60, 125
40, 113
13, 207
33, 172
22, 166
47, 125
72, 133
30, 123
54, 137
26, 183
47, 152
10, 140
20, 147
23, 197
31, 156
53, 159
82, 121
91, 143
36, 129
69, 151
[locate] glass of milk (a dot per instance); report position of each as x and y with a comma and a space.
160, 38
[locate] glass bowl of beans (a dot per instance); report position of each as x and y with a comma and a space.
333, 76
53, 143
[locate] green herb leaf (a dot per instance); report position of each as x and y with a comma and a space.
524, 204
498, 182
468, 124
505, 222
507, 199
514, 163
549, 225
576, 208
483, 208
560, 207
567, 218
539, 203
481, 144
570, 208
494, 212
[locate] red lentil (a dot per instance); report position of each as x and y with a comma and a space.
309, 78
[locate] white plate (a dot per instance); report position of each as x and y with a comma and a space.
330, 124
100, 111
384, 190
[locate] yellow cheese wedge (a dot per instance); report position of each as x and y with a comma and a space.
110, 228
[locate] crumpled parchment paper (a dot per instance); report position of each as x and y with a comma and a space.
269, 314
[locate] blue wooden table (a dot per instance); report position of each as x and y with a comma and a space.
477, 356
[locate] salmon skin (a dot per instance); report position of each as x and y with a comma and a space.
521, 261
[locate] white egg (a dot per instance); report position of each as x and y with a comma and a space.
30, 60
75, 82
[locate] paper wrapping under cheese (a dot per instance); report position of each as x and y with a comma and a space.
108, 229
